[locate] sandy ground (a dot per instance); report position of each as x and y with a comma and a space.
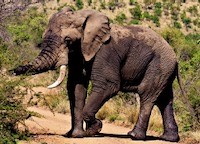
50, 128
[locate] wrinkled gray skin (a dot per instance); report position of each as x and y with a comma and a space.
130, 59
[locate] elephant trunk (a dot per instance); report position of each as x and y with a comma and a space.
52, 55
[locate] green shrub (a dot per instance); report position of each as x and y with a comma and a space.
177, 25
157, 9
103, 4
136, 12
79, 4
29, 27
134, 22
158, 5
12, 112
175, 12
155, 19
186, 20
146, 15
174, 37
158, 12
120, 18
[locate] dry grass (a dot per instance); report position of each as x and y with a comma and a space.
124, 114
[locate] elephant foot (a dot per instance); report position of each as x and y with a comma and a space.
75, 134
169, 136
94, 127
137, 134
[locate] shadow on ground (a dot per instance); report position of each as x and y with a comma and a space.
148, 138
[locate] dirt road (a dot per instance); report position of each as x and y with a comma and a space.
49, 130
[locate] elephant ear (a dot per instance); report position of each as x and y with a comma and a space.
96, 33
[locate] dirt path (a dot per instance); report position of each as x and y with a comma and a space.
50, 128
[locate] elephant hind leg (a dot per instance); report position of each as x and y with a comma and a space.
149, 90
146, 106
164, 103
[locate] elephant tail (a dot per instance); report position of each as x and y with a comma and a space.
184, 94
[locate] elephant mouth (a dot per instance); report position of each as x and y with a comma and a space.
63, 69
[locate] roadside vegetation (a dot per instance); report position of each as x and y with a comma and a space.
24, 31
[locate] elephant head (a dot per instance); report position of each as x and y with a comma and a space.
65, 28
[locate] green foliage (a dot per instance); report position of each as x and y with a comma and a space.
26, 28
29, 27
186, 20
157, 9
158, 5
103, 4
12, 112
120, 18
134, 22
177, 25
147, 16
79, 4
136, 12
155, 19
157, 12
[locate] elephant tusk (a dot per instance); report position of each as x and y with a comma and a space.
60, 78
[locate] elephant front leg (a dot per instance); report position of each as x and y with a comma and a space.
94, 103
77, 96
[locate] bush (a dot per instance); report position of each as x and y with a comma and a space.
103, 4
155, 19
186, 20
177, 25
120, 18
134, 21
158, 5
29, 27
12, 112
136, 12
146, 15
157, 12
157, 9
79, 4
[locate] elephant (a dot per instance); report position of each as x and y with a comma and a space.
114, 58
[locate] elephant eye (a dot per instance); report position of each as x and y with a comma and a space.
68, 40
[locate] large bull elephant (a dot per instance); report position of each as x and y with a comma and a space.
115, 58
